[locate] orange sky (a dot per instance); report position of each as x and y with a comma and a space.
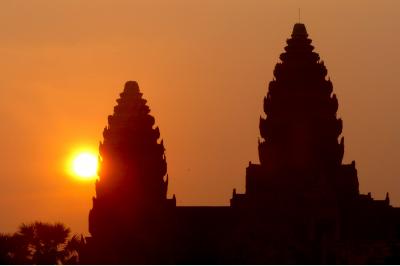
204, 67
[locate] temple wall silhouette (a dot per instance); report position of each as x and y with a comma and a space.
301, 203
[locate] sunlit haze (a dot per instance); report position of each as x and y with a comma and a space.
204, 67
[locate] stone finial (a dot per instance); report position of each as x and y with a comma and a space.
387, 199
131, 85
299, 30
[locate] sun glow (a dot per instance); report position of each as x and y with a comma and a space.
84, 165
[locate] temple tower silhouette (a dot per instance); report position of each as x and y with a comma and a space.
301, 196
301, 203
131, 193
299, 152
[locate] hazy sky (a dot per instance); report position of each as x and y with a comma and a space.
204, 67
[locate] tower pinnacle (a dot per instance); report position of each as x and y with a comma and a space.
299, 30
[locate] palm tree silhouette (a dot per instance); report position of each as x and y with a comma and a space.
40, 243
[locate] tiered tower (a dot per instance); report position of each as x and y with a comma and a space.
132, 188
300, 154
301, 192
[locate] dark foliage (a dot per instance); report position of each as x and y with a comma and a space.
40, 243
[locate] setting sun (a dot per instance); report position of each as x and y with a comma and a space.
84, 165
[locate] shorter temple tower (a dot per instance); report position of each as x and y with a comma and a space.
131, 194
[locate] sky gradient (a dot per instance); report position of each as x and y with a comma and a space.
204, 67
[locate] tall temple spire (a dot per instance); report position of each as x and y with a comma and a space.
301, 128
301, 150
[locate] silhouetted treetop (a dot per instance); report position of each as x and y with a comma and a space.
40, 243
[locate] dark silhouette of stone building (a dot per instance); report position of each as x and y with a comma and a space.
301, 203
131, 196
